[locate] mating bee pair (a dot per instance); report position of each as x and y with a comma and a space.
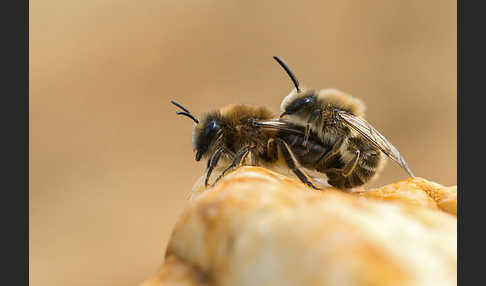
321, 131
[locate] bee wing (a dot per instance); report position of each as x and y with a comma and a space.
280, 125
376, 138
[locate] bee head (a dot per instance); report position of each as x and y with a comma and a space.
299, 101
204, 133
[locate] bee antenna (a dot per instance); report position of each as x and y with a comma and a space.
186, 112
289, 72
188, 115
180, 106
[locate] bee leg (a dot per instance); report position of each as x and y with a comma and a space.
253, 159
240, 155
331, 153
313, 116
348, 169
291, 163
272, 152
339, 179
212, 162
333, 170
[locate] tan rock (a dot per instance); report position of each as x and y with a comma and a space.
416, 191
257, 227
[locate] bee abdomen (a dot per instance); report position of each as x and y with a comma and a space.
362, 173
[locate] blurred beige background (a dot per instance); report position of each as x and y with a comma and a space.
111, 163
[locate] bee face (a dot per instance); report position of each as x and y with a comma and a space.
299, 104
205, 134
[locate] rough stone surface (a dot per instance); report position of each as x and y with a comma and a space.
257, 227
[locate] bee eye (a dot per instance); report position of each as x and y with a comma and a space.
205, 137
301, 103
211, 127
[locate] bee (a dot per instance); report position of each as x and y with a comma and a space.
229, 135
354, 147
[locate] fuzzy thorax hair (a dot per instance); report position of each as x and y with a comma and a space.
330, 96
224, 121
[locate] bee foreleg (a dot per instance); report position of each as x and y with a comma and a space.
348, 169
313, 116
239, 157
291, 163
211, 164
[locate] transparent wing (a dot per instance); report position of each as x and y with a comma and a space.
281, 125
376, 138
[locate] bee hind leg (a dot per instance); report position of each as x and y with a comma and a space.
349, 168
272, 152
342, 178
240, 155
291, 163
331, 153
